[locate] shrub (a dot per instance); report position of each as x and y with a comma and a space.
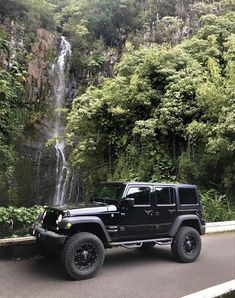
16, 221
216, 206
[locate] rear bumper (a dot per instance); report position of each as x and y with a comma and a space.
50, 239
203, 230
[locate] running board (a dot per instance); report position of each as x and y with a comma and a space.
138, 243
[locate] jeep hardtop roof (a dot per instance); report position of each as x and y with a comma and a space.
150, 183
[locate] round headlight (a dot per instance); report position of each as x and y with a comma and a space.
41, 217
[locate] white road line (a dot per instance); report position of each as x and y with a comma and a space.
214, 291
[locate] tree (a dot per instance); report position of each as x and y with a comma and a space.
166, 115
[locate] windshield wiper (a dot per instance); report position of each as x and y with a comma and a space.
99, 203
98, 198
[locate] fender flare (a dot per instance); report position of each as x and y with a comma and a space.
83, 220
179, 220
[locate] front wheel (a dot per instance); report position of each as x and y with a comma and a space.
82, 255
186, 245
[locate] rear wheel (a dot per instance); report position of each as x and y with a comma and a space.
186, 245
82, 255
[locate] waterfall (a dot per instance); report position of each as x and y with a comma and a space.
59, 68
37, 180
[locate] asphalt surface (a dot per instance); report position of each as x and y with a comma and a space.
126, 273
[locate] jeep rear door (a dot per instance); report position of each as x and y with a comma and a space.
164, 208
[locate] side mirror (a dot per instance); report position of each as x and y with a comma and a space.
129, 202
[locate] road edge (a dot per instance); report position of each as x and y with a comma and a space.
218, 291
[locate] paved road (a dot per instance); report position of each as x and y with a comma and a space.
126, 273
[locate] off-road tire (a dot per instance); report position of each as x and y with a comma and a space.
186, 245
147, 246
80, 248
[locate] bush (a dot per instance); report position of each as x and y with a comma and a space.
16, 221
216, 206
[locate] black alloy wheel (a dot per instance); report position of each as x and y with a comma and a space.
186, 245
190, 245
82, 255
85, 256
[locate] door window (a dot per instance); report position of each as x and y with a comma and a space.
140, 194
165, 195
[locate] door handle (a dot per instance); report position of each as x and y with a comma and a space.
171, 210
149, 212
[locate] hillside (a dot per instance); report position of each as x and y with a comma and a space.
148, 94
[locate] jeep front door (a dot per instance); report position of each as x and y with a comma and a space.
137, 221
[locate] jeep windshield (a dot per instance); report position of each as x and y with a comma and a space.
108, 193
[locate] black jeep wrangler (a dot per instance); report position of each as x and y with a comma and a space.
130, 214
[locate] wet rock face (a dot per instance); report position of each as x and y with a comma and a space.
35, 173
38, 78
36, 163
34, 137
35, 168
36, 176
41, 169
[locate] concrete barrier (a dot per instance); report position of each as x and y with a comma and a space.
20, 247
18, 241
218, 227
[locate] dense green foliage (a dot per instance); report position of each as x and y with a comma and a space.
29, 13
167, 115
18, 24
12, 112
156, 89
16, 221
216, 207
99, 29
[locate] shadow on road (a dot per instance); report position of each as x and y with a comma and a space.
127, 257
47, 268
51, 268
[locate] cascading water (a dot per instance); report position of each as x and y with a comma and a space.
59, 68
37, 174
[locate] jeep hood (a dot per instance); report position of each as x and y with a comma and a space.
85, 208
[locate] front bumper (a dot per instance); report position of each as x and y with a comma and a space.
49, 238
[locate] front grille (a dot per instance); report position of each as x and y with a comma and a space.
50, 218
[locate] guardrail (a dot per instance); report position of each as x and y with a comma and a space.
222, 226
